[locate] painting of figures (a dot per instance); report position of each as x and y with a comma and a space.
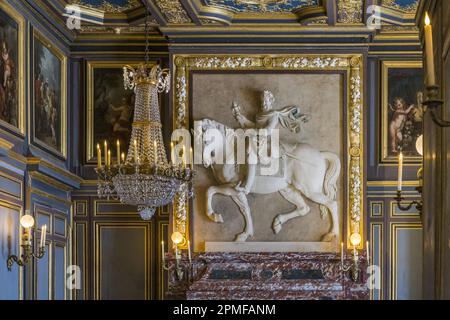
49, 95
9, 58
110, 107
402, 109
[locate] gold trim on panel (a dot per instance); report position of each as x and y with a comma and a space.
14, 179
85, 208
50, 196
17, 17
184, 65
19, 209
380, 205
64, 219
379, 254
98, 213
393, 254
161, 271
385, 159
395, 212
85, 256
98, 226
65, 248
37, 35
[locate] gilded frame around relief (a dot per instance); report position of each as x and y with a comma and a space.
386, 157
62, 152
90, 156
20, 67
352, 65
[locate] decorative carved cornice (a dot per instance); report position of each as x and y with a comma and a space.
408, 8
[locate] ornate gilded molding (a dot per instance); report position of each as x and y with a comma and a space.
407, 8
107, 6
350, 11
173, 11
183, 65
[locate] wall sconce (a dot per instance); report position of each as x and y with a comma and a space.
27, 223
355, 240
399, 198
178, 239
433, 100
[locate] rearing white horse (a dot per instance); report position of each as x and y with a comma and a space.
308, 172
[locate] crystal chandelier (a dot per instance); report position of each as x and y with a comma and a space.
144, 177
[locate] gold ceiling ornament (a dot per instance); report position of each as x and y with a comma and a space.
350, 11
173, 11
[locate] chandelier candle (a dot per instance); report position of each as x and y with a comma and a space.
106, 152
99, 156
118, 152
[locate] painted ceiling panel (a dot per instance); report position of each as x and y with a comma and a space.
260, 5
409, 6
108, 5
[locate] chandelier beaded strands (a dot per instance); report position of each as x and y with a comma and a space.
144, 177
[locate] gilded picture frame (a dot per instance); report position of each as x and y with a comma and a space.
11, 13
91, 68
351, 65
60, 147
401, 84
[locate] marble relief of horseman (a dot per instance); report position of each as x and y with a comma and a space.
307, 172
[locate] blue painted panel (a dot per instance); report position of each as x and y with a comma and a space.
59, 274
42, 272
9, 244
10, 186
409, 264
60, 226
376, 254
285, 6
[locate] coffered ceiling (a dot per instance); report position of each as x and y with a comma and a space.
177, 17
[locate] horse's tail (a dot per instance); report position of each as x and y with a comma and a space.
330, 180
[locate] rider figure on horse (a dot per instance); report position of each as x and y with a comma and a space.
269, 119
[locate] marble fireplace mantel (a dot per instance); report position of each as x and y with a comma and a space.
253, 276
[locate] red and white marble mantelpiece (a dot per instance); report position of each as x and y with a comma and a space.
280, 276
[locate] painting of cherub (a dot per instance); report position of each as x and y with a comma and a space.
402, 109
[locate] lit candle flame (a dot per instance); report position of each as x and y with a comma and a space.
427, 19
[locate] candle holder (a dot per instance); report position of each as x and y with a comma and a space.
354, 266
27, 222
432, 103
180, 268
418, 204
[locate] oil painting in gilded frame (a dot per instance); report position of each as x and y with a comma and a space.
49, 86
12, 46
401, 110
110, 106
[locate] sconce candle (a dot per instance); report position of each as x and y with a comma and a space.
43, 236
109, 158
400, 172
367, 252
123, 157
163, 253
429, 52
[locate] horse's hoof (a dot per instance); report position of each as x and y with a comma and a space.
276, 225
329, 237
216, 217
241, 237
